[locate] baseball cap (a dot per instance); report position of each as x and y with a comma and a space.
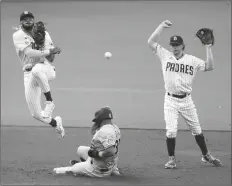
26, 14
176, 40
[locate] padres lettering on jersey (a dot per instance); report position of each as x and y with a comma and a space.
182, 68
107, 136
178, 74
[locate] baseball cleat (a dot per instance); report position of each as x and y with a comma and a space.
116, 172
55, 170
212, 160
171, 163
61, 170
73, 162
50, 106
59, 127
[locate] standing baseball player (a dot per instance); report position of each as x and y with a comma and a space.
99, 160
35, 51
179, 70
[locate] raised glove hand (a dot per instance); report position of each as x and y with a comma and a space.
39, 34
206, 36
166, 24
55, 50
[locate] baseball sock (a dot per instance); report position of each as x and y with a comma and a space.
171, 143
48, 96
53, 123
200, 139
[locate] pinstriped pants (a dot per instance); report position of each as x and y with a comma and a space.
173, 107
34, 85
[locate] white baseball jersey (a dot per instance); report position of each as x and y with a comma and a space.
22, 40
107, 136
44, 72
178, 74
178, 79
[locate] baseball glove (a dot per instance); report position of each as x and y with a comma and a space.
206, 36
39, 34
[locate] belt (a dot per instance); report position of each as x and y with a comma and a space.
179, 96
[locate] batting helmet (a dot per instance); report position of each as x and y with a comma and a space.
102, 114
26, 14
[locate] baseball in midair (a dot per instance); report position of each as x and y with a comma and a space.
108, 55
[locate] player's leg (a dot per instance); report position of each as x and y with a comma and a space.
82, 152
82, 168
50, 71
85, 166
171, 116
189, 113
38, 71
33, 98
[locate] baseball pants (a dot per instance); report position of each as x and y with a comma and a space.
173, 107
85, 168
35, 82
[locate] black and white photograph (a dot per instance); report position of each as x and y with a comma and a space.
115, 92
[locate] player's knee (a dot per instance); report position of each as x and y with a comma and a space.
35, 70
200, 134
36, 116
196, 131
171, 133
80, 150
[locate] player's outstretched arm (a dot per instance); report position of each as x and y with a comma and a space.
209, 65
153, 39
37, 53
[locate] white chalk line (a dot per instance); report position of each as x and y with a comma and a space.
125, 90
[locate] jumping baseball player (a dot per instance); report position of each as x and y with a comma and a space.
179, 70
35, 51
99, 160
